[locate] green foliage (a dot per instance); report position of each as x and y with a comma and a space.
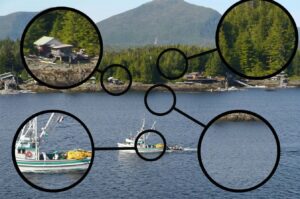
294, 68
67, 26
214, 66
10, 59
141, 62
257, 38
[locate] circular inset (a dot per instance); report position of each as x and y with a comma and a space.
53, 151
150, 145
239, 151
116, 79
61, 48
172, 64
257, 39
160, 87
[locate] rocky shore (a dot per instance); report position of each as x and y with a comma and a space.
234, 117
136, 86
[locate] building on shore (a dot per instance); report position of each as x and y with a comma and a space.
8, 81
51, 47
197, 77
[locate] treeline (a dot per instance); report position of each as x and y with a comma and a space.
257, 38
67, 26
10, 59
140, 61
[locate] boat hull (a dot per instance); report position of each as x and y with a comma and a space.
140, 149
53, 166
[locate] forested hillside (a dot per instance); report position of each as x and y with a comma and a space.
10, 59
140, 61
256, 38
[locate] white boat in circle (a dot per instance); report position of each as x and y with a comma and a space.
143, 146
29, 158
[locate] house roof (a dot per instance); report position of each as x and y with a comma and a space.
44, 40
62, 46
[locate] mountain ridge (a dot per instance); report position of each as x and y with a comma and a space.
161, 22
13, 25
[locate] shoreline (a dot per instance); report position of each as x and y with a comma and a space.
90, 87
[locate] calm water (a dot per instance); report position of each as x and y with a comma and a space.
176, 175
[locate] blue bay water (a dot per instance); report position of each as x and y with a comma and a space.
176, 175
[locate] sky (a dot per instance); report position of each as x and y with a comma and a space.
102, 9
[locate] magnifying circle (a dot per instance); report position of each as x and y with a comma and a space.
106, 89
169, 75
150, 149
27, 164
161, 86
50, 59
243, 50
218, 149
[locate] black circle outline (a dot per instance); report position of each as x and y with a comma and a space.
102, 79
146, 99
266, 76
45, 12
150, 131
175, 77
28, 181
246, 189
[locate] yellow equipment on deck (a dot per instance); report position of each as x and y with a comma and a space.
78, 154
159, 146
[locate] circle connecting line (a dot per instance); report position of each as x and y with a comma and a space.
206, 171
141, 145
113, 148
99, 71
173, 107
189, 117
203, 53
184, 57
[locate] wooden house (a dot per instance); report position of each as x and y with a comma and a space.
193, 76
44, 44
63, 51
52, 47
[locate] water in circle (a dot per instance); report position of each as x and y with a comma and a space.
176, 175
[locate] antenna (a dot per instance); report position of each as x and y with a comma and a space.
153, 125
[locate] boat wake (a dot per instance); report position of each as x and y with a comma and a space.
188, 149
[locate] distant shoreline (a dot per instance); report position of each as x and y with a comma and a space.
95, 87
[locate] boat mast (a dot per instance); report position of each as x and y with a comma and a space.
53, 120
25, 133
35, 132
153, 125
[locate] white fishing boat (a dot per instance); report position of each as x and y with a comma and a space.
29, 158
142, 144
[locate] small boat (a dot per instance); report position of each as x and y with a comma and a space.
143, 146
30, 159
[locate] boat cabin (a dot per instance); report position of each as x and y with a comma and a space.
26, 149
